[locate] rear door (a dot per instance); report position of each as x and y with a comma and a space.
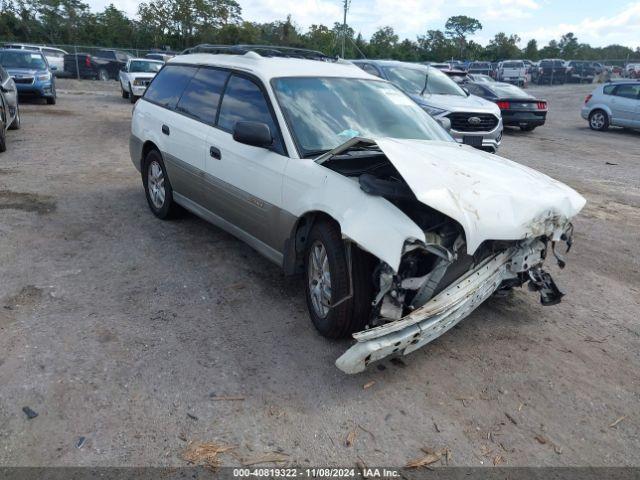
175, 133
625, 105
197, 110
244, 183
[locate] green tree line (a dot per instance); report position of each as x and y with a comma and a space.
176, 24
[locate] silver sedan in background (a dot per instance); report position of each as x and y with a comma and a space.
613, 104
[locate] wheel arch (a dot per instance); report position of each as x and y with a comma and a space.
147, 147
296, 242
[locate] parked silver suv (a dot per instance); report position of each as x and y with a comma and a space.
613, 104
474, 121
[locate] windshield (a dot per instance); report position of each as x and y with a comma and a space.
412, 80
483, 78
141, 66
323, 113
509, 91
22, 59
513, 65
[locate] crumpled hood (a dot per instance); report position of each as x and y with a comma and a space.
491, 197
471, 103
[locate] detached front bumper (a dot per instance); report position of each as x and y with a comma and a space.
431, 320
517, 265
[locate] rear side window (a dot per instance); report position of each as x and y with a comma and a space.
608, 90
167, 87
202, 96
628, 91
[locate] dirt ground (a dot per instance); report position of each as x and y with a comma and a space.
120, 328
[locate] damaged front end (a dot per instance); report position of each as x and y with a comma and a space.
410, 312
470, 248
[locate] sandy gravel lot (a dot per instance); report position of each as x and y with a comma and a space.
120, 328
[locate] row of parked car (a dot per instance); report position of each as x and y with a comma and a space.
547, 71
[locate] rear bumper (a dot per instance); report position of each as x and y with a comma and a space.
431, 320
513, 118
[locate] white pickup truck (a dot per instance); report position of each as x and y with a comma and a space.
513, 71
136, 76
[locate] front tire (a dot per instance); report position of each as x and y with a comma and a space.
527, 128
328, 285
15, 125
157, 187
3, 139
125, 94
598, 120
132, 97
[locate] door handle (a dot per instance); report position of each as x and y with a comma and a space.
165, 130
215, 153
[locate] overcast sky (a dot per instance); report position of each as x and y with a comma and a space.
597, 22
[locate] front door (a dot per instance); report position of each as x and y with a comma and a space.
244, 183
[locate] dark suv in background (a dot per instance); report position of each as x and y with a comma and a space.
549, 70
579, 71
104, 65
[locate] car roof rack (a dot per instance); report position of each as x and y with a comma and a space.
262, 50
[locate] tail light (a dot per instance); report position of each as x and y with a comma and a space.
87, 61
587, 98
542, 105
503, 105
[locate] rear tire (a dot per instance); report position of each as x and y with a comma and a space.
327, 281
598, 120
528, 128
157, 187
51, 100
15, 125
3, 139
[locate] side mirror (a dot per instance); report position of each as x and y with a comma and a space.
4, 89
53, 68
256, 134
444, 123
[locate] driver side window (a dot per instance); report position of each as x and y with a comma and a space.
243, 101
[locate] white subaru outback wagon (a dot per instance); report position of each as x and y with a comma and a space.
399, 231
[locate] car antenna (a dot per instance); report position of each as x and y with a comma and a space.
426, 82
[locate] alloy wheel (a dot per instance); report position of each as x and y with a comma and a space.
319, 278
155, 184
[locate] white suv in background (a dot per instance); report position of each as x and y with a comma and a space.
136, 75
399, 231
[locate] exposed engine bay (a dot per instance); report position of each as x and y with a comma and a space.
437, 268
